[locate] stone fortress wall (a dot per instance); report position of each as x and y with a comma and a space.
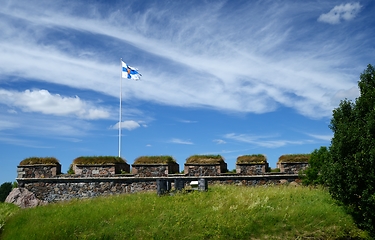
48, 184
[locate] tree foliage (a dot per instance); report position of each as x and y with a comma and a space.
5, 189
351, 169
315, 172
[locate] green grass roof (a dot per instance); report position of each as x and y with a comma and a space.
100, 160
291, 158
253, 159
39, 160
205, 159
154, 160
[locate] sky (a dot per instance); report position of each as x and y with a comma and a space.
218, 77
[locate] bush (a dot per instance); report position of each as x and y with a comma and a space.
351, 169
5, 189
314, 173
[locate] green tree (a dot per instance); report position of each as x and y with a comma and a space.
315, 172
5, 189
351, 169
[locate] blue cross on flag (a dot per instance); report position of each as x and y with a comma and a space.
130, 72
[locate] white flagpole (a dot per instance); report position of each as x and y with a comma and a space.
120, 114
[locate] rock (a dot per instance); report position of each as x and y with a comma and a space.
23, 198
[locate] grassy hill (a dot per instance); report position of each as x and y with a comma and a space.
224, 212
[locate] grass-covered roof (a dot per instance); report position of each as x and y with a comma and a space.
154, 160
292, 158
39, 160
205, 159
99, 160
252, 159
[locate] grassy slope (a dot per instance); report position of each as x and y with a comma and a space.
224, 212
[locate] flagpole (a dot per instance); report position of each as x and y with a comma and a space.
120, 114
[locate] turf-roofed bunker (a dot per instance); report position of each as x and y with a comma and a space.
293, 163
205, 165
39, 167
99, 166
154, 166
255, 164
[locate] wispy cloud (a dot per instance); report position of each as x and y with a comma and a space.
341, 12
327, 138
219, 141
180, 141
246, 68
261, 140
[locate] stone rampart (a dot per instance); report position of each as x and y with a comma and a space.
292, 167
69, 187
194, 169
251, 169
154, 170
38, 171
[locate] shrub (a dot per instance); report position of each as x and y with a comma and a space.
39, 160
351, 169
314, 173
5, 189
255, 159
154, 160
100, 160
205, 159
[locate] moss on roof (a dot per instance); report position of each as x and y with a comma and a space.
205, 159
99, 160
39, 160
291, 158
154, 160
255, 158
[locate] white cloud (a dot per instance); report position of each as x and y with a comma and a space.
5, 124
351, 94
341, 12
43, 101
327, 138
219, 141
129, 125
246, 68
260, 140
180, 141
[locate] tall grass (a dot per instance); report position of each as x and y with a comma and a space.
224, 212
6, 210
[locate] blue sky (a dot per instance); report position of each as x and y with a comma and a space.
218, 77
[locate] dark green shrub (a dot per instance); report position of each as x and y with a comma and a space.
351, 170
5, 189
315, 172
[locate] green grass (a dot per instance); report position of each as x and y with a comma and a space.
224, 212
88, 160
154, 160
205, 159
39, 160
291, 158
6, 210
255, 158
